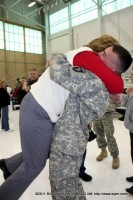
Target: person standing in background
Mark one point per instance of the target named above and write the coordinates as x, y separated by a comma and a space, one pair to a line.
128, 122
25, 85
104, 128
32, 78
4, 102
21, 91
129, 90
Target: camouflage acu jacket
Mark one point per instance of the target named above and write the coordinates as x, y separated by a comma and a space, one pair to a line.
87, 101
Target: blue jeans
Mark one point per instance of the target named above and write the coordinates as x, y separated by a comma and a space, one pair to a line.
5, 118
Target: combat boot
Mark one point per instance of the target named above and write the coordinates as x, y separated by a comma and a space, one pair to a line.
102, 155
116, 162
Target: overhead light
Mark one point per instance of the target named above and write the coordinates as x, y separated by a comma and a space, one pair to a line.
66, 1
32, 4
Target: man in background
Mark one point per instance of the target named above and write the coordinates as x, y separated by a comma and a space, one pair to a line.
32, 78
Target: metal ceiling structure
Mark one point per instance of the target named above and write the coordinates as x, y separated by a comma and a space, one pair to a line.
20, 8
39, 3
13, 6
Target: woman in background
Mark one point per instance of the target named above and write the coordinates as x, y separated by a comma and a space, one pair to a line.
4, 102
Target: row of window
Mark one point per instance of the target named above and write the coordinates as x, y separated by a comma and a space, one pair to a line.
83, 11
18, 38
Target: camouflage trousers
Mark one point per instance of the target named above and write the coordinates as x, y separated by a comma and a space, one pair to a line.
104, 128
64, 176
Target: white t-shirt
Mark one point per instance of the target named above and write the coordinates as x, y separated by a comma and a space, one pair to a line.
51, 96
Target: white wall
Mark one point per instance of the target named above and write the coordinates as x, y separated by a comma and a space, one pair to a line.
58, 44
118, 24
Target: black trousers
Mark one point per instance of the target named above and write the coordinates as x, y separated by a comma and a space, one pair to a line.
131, 142
82, 167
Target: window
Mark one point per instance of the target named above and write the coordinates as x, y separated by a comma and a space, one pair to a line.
33, 40
83, 11
59, 21
1, 36
110, 6
14, 38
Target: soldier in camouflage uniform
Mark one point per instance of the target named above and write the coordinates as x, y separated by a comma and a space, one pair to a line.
104, 127
86, 102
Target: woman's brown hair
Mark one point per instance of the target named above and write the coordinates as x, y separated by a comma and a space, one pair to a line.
101, 43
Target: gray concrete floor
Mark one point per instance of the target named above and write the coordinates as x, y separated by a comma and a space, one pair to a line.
107, 183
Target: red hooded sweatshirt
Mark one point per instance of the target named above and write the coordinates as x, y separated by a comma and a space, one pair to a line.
86, 58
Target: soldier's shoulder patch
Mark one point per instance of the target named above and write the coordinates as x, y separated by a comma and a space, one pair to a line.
78, 69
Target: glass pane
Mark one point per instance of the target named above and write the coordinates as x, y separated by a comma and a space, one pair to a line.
59, 21
39, 35
39, 42
27, 48
31, 32
21, 47
21, 39
17, 47
11, 35
83, 11
16, 29
7, 45
6, 27
27, 40
16, 36
7, 35
1, 35
1, 25
35, 33
11, 28
20, 29
112, 6
26, 32
32, 40
1, 44
11, 46
36, 41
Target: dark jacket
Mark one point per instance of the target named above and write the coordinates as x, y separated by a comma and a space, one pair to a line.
4, 98
128, 119
20, 94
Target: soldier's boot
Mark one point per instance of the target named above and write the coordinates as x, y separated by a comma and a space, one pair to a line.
102, 155
116, 162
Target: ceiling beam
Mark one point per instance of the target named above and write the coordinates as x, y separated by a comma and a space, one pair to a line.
34, 11
25, 17
2, 6
14, 4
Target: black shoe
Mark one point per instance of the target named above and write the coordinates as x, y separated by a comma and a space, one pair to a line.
130, 190
121, 118
129, 179
85, 177
3, 167
92, 136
